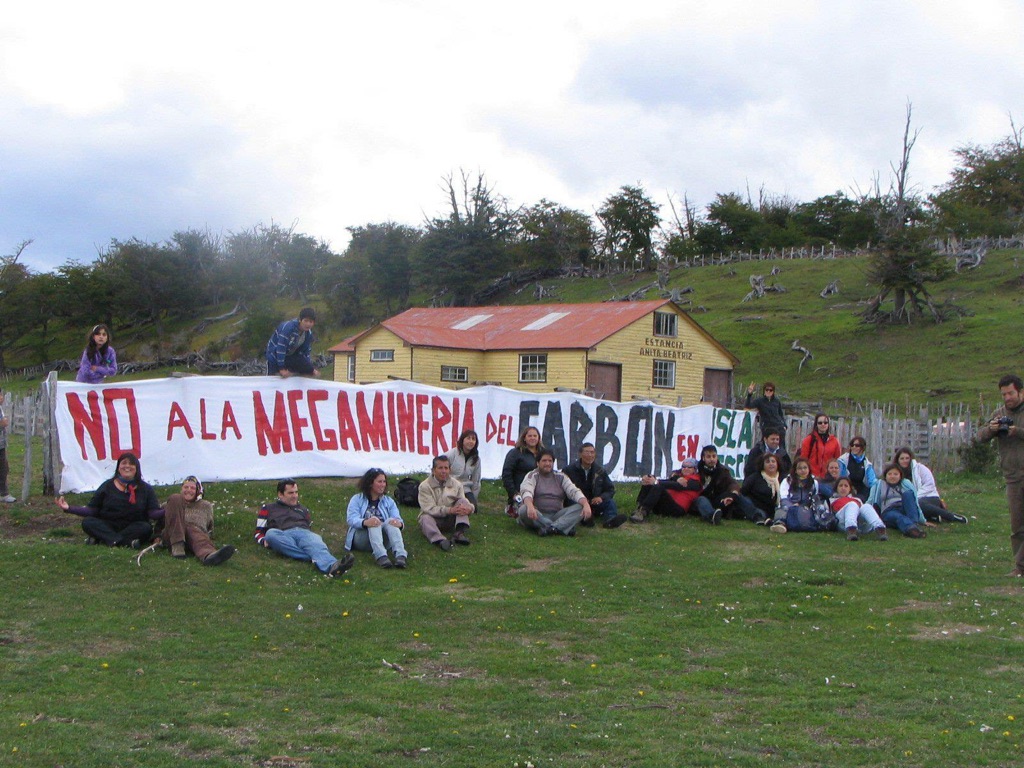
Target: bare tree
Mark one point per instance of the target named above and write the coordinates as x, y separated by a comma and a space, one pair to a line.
903, 263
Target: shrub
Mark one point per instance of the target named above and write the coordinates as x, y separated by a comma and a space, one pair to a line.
978, 456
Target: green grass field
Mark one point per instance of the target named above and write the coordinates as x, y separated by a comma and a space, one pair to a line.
664, 644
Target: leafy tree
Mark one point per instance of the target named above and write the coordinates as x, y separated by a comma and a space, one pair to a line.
384, 252
736, 221
837, 219
986, 194
15, 300
551, 234
629, 218
468, 246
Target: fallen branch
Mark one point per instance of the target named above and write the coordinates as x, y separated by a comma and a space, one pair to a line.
803, 350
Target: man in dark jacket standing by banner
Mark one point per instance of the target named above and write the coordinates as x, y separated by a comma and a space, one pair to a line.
592, 479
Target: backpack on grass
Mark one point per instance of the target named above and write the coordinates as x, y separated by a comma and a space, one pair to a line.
407, 492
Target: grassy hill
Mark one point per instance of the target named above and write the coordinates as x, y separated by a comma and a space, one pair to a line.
958, 360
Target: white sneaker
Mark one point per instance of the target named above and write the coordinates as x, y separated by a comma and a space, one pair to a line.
9, 499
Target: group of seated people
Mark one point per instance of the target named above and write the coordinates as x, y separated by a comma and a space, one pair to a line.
822, 489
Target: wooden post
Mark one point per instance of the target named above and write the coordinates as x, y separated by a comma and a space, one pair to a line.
26, 478
51, 447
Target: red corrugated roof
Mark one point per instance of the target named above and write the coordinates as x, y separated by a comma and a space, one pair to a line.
345, 345
533, 326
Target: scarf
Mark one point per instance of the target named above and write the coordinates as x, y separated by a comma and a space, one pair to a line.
773, 483
129, 487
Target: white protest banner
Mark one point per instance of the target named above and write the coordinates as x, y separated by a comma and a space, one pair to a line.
262, 428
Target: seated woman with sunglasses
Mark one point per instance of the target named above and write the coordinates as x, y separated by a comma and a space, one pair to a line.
855, 465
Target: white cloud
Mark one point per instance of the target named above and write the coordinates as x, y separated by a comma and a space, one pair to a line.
131, 119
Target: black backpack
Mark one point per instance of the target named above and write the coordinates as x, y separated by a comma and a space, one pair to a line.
407, 492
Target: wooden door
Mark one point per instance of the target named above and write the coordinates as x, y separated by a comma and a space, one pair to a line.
605, 380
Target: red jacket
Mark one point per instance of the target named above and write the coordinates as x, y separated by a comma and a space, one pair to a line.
818, 453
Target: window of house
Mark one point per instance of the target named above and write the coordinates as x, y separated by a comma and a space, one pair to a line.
454, 373
666, 324
665, 374
533, 368
351, 373
382, 355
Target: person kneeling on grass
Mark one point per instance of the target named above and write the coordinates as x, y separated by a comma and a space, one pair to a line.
119, 513
188, 525
853, 514
284, 526
544, 492
373, 516
444, 507
896, 499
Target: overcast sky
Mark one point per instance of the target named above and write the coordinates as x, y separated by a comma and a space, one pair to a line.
137, 119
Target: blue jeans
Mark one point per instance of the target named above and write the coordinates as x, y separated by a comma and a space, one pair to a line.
301, 544
372, 540
896, 516
606, 509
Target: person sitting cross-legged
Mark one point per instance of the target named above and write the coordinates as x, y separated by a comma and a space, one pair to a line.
544, 492
444, 507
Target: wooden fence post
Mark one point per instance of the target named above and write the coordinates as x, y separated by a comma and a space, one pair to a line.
51, 447
26, 476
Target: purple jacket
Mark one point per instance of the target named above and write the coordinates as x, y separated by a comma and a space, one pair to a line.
106, 367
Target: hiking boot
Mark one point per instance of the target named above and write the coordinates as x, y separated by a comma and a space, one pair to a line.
341, 565
588, 523
546, 530
614, 522
960, 519
1016, 573
716, 517
178, 550
384, 562
221, 555
778, 527
400, 561
851, 533
443, 544
91, 540
915, 533
640, 516
460, 537
881, 534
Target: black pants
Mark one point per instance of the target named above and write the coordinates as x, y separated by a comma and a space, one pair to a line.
114, 536
655, 498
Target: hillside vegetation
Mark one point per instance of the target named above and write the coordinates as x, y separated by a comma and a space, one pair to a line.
958, 360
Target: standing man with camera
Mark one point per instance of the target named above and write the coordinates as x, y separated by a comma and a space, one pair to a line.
1007, 426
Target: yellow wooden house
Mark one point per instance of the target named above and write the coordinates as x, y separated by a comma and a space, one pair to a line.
650, 350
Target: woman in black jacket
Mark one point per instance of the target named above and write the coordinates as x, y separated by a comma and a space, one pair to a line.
520, 461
